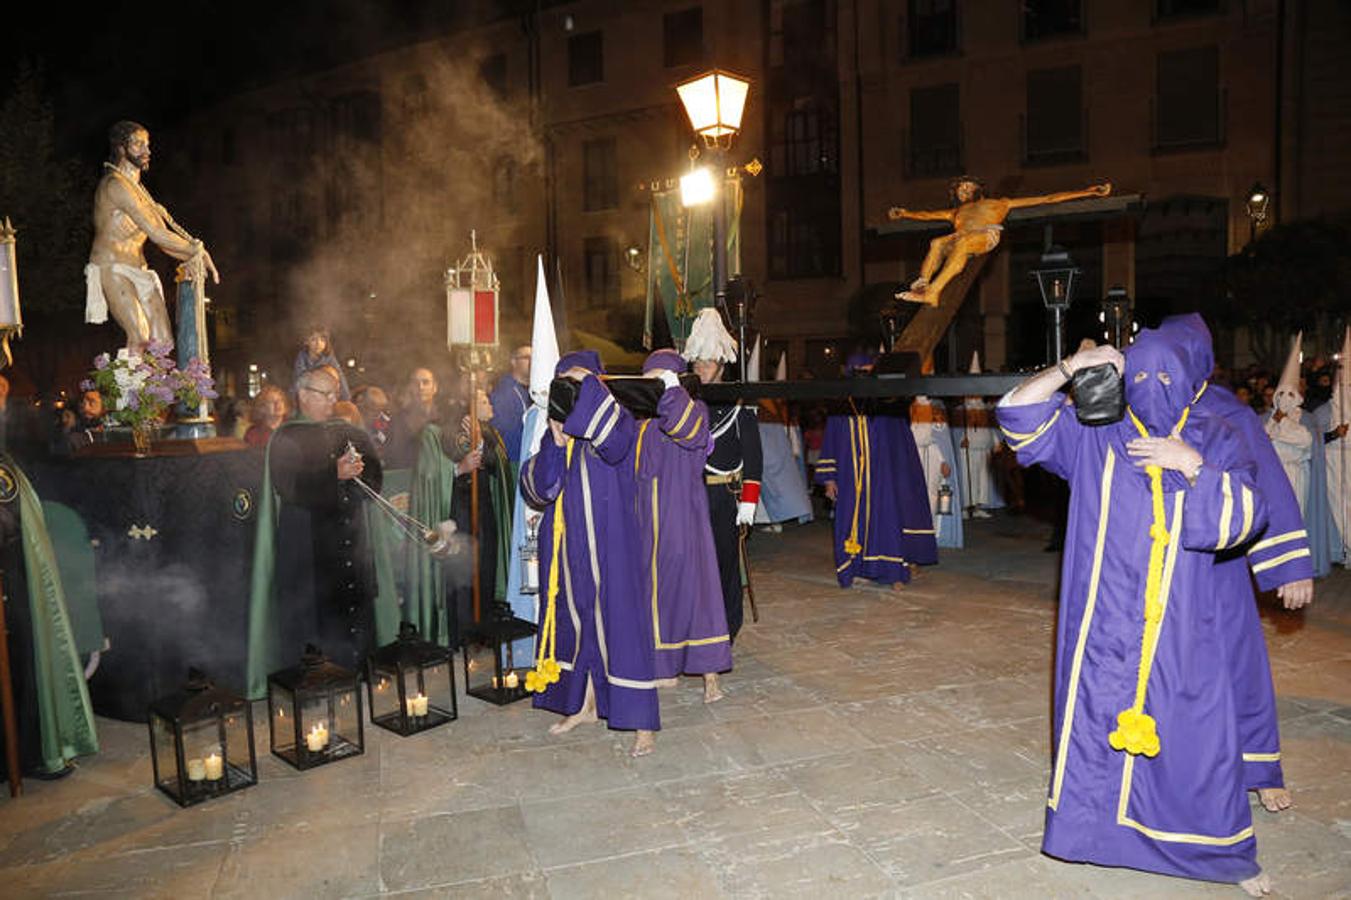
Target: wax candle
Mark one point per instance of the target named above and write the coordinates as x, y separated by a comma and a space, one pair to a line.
512, 680
420, 705
317, 739
215, 767
196, 769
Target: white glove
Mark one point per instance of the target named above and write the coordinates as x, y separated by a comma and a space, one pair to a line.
668, 378
745, 513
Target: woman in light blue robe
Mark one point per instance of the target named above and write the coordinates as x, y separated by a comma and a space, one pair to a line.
1325, 543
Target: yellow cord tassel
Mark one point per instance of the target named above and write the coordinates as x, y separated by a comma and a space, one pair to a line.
546, 670
858, 452
1137, 733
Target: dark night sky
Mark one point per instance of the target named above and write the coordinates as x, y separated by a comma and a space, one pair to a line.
154, 60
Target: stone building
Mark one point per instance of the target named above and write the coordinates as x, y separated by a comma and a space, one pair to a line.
343, 195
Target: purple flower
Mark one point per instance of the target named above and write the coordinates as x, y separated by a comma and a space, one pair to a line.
159, 348
86, 385
101, 361
133, 401
207, 393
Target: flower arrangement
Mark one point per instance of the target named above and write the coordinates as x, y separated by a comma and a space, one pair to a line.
138, 389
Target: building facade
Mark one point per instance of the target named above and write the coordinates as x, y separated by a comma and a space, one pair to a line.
342, 196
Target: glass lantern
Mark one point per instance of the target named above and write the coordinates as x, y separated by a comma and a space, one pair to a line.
411, 684
491, 671
201, 742
314, 712
530, 555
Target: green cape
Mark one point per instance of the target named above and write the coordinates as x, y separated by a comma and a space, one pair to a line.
65, 715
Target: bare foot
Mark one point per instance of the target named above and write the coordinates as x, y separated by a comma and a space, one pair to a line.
712, 692
914, 572
919, 284
643, 743
1257, 886
1275, 799
666, 682
914, 296
582, 716
898, 586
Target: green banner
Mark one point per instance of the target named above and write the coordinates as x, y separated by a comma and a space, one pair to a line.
680, 258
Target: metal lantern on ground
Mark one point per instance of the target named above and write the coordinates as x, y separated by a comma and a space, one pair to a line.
1056, 281
201, 742
314, 712
491, 671
411, 684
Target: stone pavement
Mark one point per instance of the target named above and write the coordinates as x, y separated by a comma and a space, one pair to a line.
871, 744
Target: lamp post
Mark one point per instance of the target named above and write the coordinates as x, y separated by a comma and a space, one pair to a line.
1115, 315
1258, 203
714, 103
1055, 279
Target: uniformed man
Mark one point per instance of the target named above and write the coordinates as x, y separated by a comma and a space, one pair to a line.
732, 472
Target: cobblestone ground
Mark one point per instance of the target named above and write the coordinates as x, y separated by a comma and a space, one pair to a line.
871, 744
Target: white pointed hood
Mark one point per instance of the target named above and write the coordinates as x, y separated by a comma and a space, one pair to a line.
781, 371
543, 341
753, 364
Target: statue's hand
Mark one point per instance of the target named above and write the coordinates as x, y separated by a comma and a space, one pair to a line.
210, 266
1101, 190
896, 212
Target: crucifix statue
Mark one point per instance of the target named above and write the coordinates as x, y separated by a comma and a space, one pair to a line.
978, 222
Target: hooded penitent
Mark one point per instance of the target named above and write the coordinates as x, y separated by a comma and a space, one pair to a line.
1286, 552
1285, 426
1148, 697
681, 583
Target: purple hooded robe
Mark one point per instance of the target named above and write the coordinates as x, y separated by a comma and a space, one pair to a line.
680, 565
604, 632
1278, 555
1148, 764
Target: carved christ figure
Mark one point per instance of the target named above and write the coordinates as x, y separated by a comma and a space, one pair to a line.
117, 279
978, 222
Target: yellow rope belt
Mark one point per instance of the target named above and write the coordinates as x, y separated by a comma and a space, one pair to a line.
1137, 732
858, 452
546, 668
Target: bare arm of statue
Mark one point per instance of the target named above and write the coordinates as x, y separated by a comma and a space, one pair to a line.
922, 215
149, 220
1097, 190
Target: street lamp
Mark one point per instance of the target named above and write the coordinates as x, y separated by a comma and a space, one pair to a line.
715, 102
1055, 280
1258, 202
1115, 315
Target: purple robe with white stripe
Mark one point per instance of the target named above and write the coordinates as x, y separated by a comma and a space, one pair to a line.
680, 565
1278, 555
604, 629
1184, 811
881, 499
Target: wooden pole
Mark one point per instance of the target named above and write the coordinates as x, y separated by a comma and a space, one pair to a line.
475, 437
7, 701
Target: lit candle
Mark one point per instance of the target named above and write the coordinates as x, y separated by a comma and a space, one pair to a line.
196, 769
317, 739
215, 767
512, 680
494, 681
420, 705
